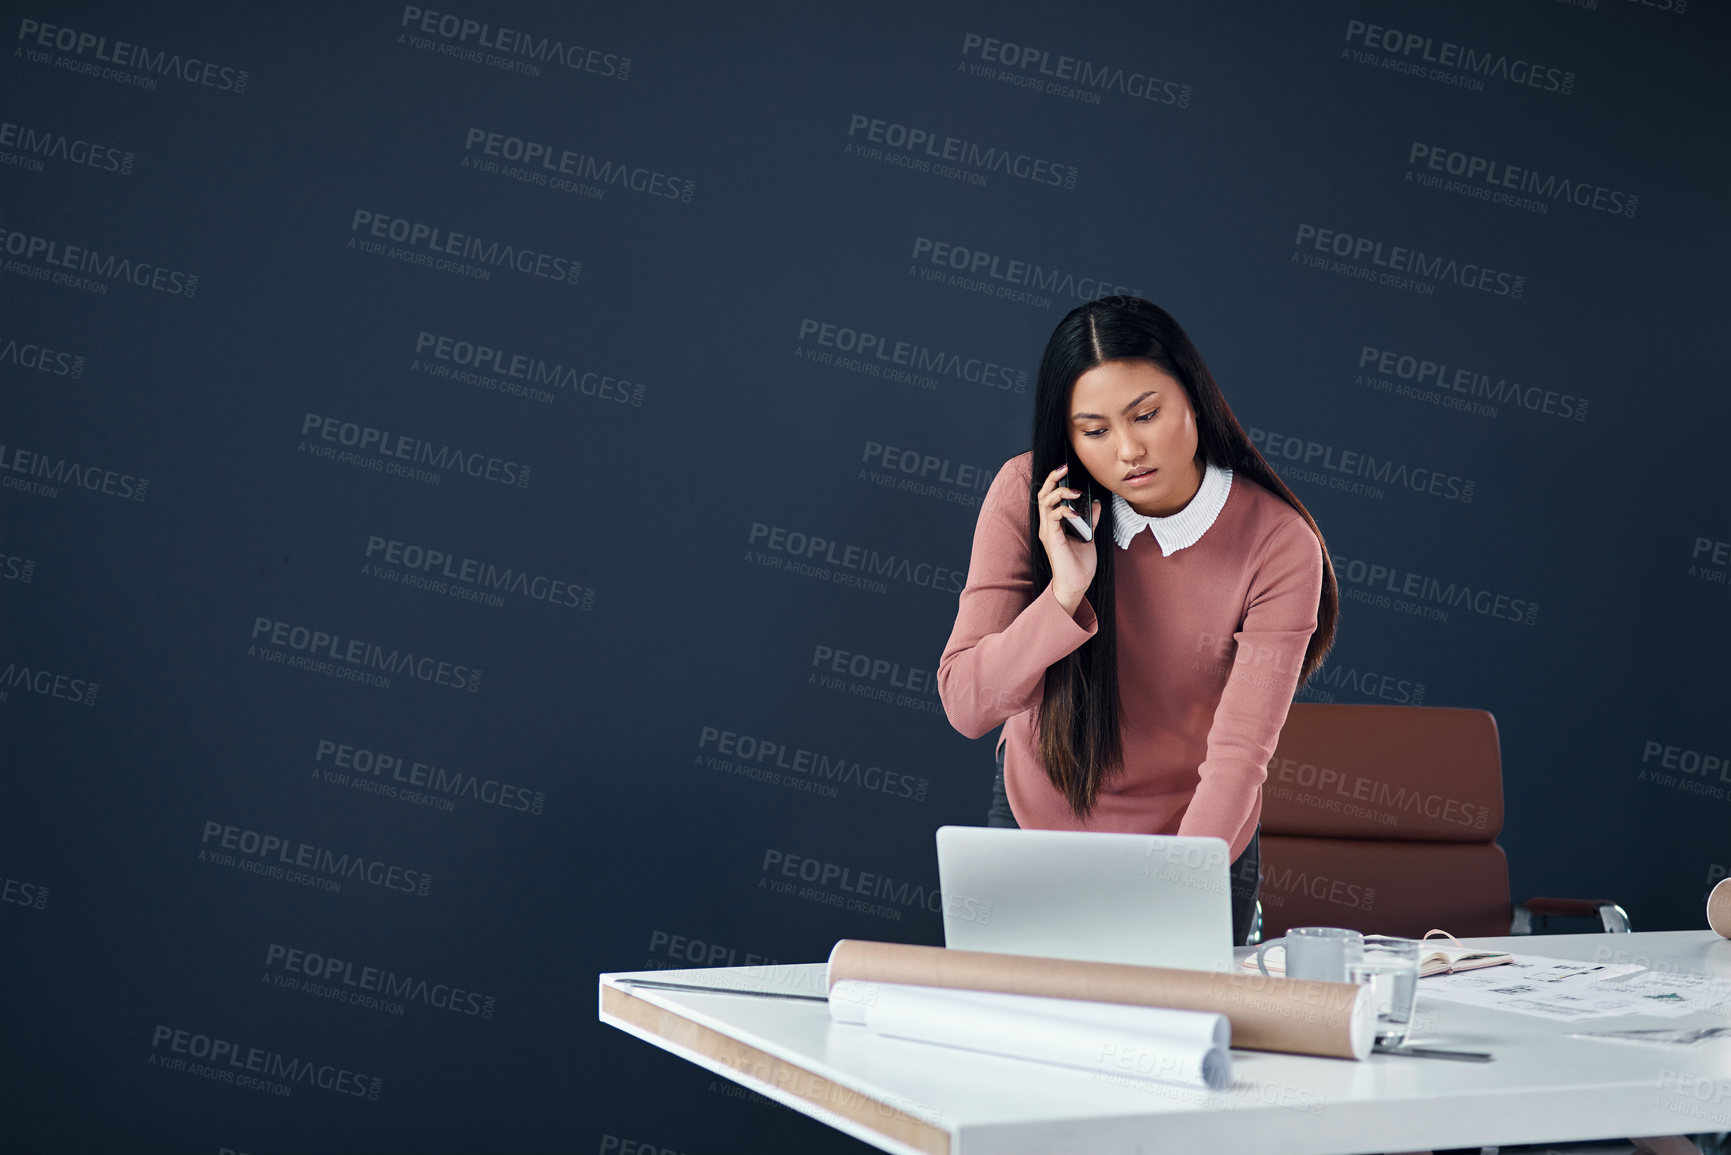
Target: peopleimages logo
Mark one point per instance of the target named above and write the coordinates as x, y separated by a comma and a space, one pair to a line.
376, 988
770, 754
1397, 265
1438, 382
686, 950
92, 50
1693, 1095
1391, 800
397, 776
1287, 883
79, 267
35, 145
1425, 57
1002, 276
913, 679
1351, 463
46, 683
925, 474
463, 38
353, 658
1391, 587
40, 358
925, 149
812, 549
437, 248
393, 453
1693, 771
462, 360
878, 355
875, 679
46, 473
1510, 184
834, 884
1060, 75
566, 170
1334, 677
1709, 560
226, 1061
442, 572
27, 894
269, 854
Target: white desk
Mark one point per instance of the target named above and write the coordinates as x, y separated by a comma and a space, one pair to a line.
905, 1097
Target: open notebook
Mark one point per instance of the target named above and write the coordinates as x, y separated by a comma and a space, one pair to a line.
1441, 960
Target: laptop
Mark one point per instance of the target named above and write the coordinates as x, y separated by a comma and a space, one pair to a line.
1147, 899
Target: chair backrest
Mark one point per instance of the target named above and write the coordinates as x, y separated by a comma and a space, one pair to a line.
1384, 819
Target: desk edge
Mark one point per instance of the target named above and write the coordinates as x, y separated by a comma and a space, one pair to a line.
747, 1065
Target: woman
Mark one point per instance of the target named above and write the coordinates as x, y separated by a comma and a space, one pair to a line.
1141, 677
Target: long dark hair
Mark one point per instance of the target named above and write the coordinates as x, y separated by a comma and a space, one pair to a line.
1077, 726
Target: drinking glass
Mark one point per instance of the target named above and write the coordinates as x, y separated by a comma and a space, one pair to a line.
1390, 966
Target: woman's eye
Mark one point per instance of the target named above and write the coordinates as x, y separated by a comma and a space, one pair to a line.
1148, 416
1092, 432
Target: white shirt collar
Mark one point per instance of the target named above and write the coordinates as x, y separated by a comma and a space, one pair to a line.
1184, 528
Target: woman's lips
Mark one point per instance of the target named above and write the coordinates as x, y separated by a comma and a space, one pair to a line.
1142, 478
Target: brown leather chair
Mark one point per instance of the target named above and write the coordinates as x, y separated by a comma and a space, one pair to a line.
1384, 819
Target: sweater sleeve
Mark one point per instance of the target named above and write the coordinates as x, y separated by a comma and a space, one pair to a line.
1279, 618
1006, 632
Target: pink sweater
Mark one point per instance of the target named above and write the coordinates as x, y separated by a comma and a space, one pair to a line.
1210, 642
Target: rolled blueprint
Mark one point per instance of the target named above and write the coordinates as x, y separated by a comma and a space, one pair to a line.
1188, 1047
1299, 1016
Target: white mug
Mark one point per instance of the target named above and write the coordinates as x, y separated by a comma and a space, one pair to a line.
1317, 952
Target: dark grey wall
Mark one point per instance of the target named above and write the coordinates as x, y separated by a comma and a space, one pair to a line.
483, 507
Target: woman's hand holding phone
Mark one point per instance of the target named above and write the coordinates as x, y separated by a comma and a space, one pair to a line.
1072, 559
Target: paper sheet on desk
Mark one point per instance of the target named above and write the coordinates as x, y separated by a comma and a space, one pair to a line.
1567, 990
1678, 1037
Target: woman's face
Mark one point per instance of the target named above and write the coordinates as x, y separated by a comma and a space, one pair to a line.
1132, 427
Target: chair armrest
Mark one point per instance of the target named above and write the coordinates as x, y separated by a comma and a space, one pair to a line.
1613, 917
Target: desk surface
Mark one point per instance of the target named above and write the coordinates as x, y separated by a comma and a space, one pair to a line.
901, 1096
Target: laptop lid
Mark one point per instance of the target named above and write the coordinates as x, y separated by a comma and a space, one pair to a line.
1147, 899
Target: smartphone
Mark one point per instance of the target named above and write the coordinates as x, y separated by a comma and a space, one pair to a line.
1076, 520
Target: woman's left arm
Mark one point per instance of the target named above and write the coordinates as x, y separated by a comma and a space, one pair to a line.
1279, 618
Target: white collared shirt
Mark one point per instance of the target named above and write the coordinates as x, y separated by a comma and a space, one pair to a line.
1184, 528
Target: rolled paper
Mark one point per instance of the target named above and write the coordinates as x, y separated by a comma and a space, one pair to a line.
1719, 909
1190, 1026
1186, 1047
1297, 1016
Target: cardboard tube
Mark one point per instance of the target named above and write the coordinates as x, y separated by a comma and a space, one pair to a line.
1719, 909
1299, 1016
